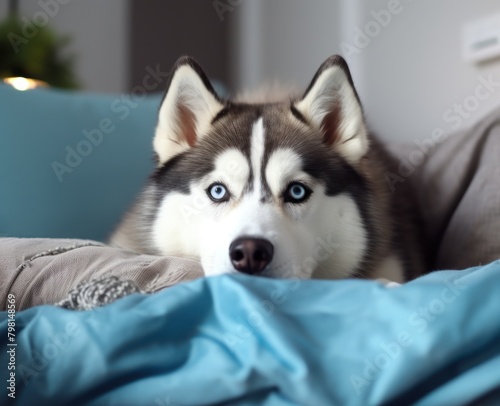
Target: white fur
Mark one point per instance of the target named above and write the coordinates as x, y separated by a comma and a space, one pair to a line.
332, 87
188, 91
181, 218
283, 166
338, 222
257, 144
177, 225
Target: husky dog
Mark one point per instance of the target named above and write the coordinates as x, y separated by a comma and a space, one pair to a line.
293, 188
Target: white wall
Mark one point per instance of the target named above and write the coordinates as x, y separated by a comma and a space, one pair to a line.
413, 71
408, 75
285, 41
99, 32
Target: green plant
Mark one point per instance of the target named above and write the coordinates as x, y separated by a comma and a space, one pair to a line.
38, 57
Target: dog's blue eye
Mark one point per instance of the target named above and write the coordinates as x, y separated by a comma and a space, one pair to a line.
218, 192
297, 193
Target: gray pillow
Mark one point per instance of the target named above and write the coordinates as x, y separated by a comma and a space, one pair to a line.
458, 186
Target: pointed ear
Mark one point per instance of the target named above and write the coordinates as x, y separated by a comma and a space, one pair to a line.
186, 111
331, 104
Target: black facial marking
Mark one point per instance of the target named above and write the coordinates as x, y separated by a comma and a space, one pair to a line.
337, 176
220, 115
177, 173
231, 128
265, 192
298, 115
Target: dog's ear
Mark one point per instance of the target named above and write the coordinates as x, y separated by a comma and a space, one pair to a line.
331, 104
186, 111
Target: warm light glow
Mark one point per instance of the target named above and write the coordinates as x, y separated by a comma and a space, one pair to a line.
22, 84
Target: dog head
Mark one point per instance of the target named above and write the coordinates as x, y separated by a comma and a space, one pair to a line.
269, 189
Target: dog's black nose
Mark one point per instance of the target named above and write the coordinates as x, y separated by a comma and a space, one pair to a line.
250, 255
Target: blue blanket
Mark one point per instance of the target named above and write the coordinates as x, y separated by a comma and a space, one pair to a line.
253, 341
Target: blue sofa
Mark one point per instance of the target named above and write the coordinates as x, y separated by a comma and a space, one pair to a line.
71, 162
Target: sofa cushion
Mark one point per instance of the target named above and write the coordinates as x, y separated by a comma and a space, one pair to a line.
71, 162
41, 271
458, 187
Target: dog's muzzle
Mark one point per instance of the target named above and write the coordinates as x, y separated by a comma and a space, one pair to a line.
250, 255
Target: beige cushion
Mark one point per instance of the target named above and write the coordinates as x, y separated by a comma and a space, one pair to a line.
58, 265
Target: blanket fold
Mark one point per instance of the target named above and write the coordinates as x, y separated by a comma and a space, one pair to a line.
242, 340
